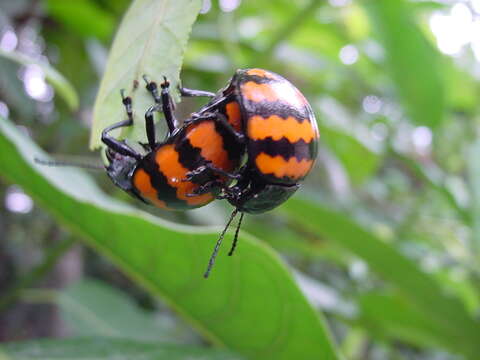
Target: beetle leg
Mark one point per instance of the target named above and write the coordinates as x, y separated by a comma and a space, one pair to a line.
219, 118
210, 186
201, 174
117, 145
152, 89
191, 92
221, 172
166, 102
209, 108
168, 106
235, 239
150, 126
223, 120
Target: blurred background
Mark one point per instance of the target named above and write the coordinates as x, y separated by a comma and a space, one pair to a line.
394, 85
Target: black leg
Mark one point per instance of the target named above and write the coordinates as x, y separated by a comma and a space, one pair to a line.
223, 120
208, 109
150, 126
235, 239
202, 174
191, 93
152, 89
117, 145
213, 185
218, 171
220, 118
168, 106
217, 245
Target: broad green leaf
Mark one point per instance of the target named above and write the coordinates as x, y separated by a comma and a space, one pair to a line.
413, 63
82, 16
458, 331
390, 316
359, 161
150, 41
61, 85
250, 303
93, 308
106, 349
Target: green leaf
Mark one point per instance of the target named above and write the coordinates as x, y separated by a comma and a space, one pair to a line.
93, 308
250, 303
459, 332
359, 161
105, 349
82, 16
150, 41
413, 63
61, 85
393, 317
474, 182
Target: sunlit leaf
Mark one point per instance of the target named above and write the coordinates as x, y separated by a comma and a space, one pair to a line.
150, 41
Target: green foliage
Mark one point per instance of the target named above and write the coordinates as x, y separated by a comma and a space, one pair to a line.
150, 41
413, 63
62, 85
81, 23
92, 308
105, 349
454, 326
169, 259
386, 247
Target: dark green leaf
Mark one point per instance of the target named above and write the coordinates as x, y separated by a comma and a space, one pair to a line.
458, 330
413, 63
393, 317
359, 161
82, 16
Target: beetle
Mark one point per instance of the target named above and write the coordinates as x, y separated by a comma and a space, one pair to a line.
258, 132
159, 176
281, 142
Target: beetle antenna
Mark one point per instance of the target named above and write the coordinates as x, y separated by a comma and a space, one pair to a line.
68, 163
217, 245
235, 239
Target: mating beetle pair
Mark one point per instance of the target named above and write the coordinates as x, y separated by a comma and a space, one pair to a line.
258, 132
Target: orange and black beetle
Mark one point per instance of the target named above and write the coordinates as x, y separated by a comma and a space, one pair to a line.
259, 117
160, 176
280, 138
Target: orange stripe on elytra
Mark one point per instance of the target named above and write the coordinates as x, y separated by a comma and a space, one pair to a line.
262, 73
274, 126
281, 168
234, 116
274, 91
210, 142
168, 161
143, 183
